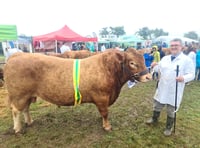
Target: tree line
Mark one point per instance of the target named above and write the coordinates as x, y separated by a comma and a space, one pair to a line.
145, 33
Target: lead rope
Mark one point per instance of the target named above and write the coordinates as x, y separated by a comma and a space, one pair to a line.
76, 80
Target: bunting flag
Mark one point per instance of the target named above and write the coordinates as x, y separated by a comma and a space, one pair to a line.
76, 80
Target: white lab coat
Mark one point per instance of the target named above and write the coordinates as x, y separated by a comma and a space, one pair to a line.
165, 93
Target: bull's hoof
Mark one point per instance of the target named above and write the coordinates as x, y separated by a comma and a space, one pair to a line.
108, 128
17, 129
29, 124
21, 132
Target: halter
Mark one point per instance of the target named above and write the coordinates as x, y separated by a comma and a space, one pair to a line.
133, 76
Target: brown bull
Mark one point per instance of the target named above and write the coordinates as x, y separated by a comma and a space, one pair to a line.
74, 54
50, 78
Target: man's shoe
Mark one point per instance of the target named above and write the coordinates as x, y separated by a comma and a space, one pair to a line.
154, 119
168, 132
169, 124
151, 121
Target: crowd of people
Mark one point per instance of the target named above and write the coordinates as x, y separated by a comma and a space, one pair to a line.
155, 54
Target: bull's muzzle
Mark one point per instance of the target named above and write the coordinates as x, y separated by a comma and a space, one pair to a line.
142, 76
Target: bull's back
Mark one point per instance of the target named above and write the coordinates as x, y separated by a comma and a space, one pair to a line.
36, 74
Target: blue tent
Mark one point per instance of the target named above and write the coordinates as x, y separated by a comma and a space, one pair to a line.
24, 40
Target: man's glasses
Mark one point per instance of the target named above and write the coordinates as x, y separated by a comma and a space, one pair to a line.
175, 45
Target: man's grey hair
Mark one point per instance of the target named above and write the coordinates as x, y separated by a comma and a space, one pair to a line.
177, 40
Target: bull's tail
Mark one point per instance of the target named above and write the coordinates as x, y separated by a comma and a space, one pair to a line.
1, 77
1, 73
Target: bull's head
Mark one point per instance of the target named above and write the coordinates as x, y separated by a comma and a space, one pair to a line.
134, 66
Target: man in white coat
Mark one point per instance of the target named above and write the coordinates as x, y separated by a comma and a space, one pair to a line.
165, 92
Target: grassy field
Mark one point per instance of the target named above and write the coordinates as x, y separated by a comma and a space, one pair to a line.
81, 127
2, 58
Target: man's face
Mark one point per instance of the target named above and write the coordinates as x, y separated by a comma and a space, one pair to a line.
175, 47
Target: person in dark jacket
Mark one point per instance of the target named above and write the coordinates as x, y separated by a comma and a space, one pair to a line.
162, 54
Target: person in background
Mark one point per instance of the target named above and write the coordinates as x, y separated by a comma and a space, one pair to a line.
103, 48
156, 54
58, 47
25, 49
165, 92
164, 45
64, 47
162, 54
118, 47
148, 59
198, 64
83, 47
10, 51
186, 44
192, 55
156, 59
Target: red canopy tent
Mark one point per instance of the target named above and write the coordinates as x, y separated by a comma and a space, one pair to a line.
64, 34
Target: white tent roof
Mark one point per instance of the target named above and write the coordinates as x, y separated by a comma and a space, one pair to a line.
169, 38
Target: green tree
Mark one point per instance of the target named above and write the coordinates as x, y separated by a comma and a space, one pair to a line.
158, 32
145, 33
192, 35
104, 31
118, 31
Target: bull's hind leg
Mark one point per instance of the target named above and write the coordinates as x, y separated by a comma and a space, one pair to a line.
16, 119
26, 113
18, 106
103, 109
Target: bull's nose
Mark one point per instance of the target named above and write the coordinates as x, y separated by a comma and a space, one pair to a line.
145, 78
149, 76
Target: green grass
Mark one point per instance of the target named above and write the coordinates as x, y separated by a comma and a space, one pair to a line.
81, 126
2, 58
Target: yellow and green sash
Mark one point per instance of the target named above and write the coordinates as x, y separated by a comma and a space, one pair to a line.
76, 79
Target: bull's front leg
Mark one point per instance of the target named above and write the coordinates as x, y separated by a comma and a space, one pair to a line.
103, 109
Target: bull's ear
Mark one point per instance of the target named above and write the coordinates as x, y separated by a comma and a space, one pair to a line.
130, 49
132, 64
141, 51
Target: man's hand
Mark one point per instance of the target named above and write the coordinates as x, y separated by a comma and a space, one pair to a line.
153, 64
180, 79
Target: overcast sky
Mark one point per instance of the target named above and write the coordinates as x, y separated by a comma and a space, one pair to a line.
36, 17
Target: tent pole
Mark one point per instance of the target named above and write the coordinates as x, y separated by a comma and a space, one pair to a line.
56, 46
17, 44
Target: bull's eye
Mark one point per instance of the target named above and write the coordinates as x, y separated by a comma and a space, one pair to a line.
132, 64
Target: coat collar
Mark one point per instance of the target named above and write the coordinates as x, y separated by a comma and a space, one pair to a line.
177, 56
